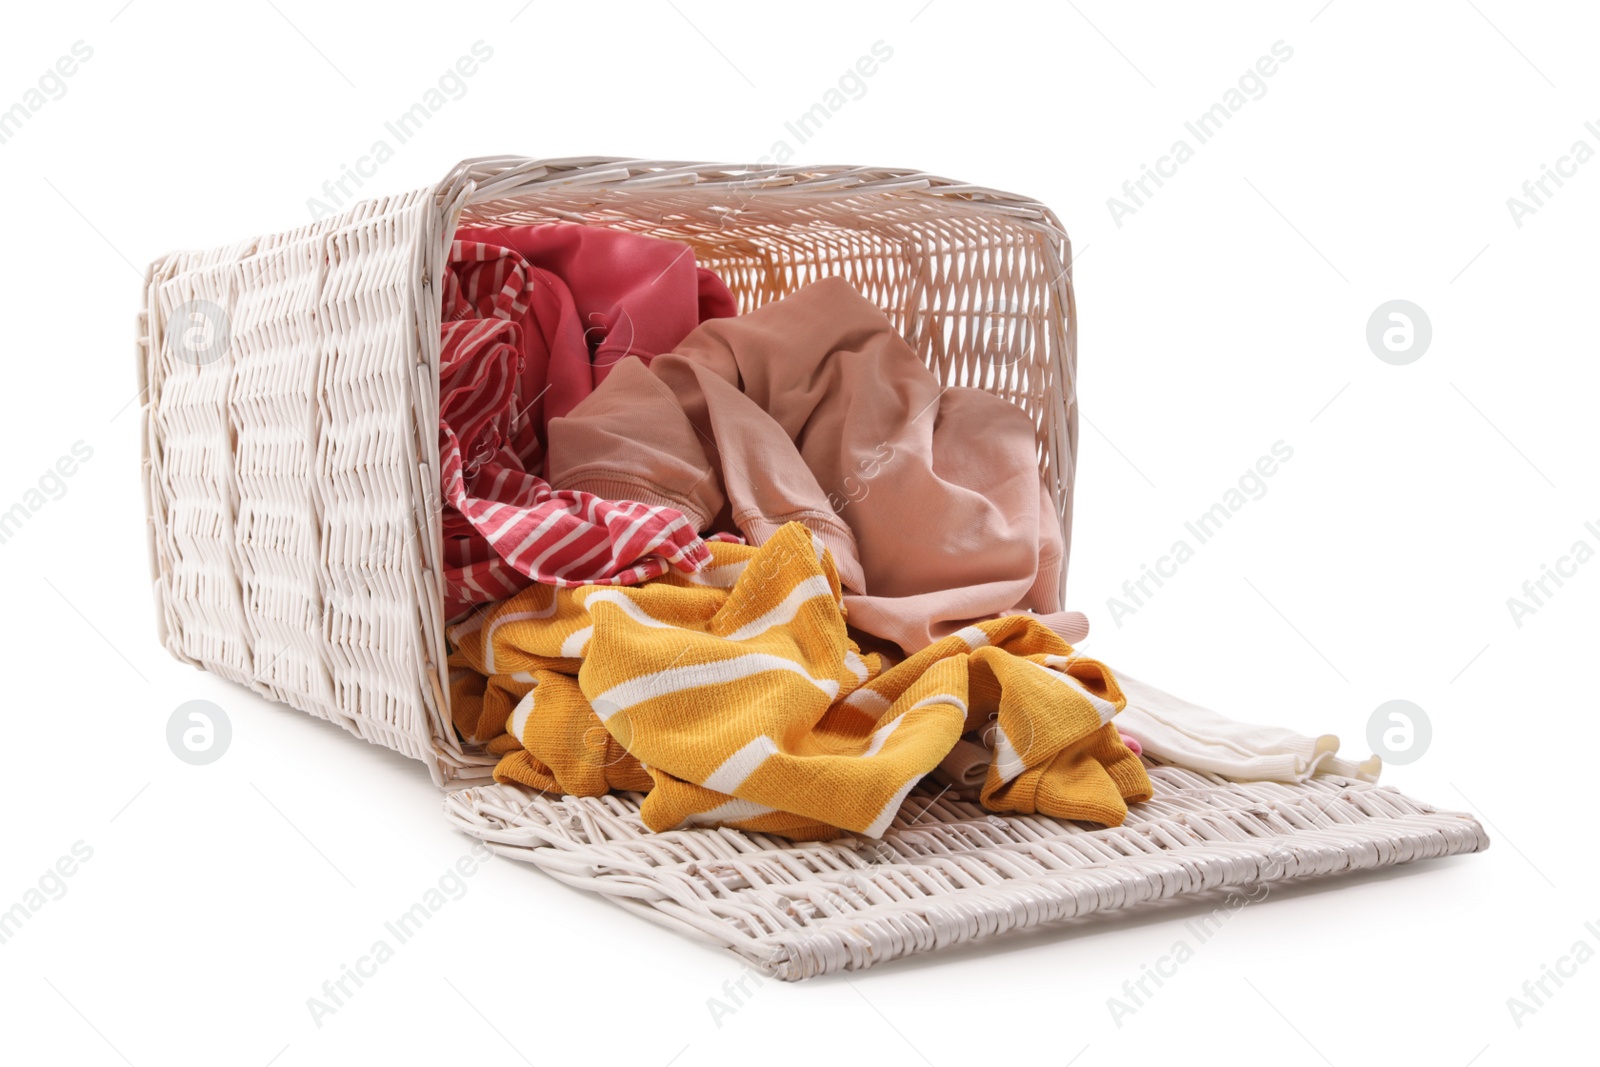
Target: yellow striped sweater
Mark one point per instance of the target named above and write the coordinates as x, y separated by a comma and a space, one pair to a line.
735, 696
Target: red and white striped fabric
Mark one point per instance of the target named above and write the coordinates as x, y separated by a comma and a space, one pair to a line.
504, 525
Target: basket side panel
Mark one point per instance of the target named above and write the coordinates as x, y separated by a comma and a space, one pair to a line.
274, 412
192, 476
365, 472
288, 529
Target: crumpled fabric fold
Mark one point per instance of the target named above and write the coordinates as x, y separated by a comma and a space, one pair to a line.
534, 318
735, 697
1174, 730
814, 409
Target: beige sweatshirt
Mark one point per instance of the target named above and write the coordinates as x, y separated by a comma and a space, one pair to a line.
813, 409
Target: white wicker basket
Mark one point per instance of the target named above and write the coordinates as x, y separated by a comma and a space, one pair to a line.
291, 460
292, 469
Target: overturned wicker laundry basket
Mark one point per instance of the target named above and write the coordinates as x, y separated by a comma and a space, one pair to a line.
292, 463
291, 467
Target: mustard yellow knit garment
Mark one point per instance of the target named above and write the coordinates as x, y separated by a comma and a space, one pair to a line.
735, 697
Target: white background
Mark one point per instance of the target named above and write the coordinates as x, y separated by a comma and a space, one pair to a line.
1227, 313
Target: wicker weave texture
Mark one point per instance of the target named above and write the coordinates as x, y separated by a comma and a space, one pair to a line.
947, 872
292, 478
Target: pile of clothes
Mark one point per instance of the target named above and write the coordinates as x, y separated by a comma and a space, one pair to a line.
765, 568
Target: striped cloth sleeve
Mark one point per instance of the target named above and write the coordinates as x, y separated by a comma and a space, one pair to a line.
505, 527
